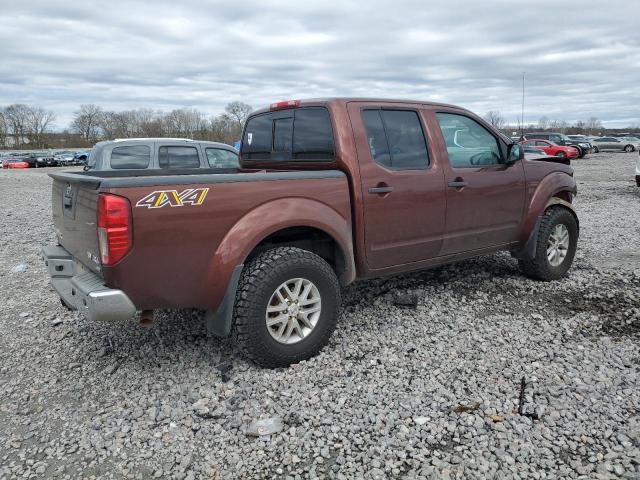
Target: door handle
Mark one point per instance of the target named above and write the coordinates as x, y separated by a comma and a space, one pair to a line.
457, 183
381, 189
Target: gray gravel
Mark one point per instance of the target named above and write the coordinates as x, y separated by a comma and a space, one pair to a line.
433, 391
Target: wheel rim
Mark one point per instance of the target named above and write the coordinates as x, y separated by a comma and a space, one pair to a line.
293, 310
558, 245
628, 148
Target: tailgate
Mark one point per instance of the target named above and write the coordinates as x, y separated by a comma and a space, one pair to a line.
74, 217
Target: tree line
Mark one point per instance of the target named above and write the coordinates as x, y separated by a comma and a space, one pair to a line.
591, 126
25, 126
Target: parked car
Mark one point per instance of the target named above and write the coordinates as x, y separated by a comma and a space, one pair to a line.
551, 148
638, 170
40, 159
631, 138
14, 162
561, 139
64, 158
616, 144
330, 191
81, 158
161, 153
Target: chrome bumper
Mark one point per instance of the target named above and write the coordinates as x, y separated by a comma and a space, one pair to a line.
84, 290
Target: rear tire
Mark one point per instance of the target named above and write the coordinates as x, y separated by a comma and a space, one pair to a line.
545, 265
629, 148
260, 301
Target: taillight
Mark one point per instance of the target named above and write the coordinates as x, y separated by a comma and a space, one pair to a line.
114, 228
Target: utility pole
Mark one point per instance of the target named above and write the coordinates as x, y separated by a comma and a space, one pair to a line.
522, 112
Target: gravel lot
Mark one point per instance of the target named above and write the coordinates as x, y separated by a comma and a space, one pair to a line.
430, 392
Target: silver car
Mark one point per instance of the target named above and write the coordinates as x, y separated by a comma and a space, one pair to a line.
616, 144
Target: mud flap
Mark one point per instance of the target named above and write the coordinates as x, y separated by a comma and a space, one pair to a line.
528, 251
219, 322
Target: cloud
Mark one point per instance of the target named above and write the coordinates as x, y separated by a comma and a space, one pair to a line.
580, 59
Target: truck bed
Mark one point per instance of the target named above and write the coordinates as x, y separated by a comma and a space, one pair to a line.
178, 255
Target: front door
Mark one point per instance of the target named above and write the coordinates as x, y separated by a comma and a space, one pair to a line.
485, 197
402, 190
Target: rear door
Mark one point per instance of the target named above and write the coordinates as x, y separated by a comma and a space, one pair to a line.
485, 197
402, 187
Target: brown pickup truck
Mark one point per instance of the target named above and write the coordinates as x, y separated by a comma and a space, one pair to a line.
328, 191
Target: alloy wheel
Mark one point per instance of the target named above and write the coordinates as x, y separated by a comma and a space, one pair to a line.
293, 310
558, 245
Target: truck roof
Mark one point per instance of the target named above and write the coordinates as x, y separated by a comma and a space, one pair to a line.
163, 139
329, 100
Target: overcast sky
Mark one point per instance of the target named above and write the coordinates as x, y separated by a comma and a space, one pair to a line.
581, 58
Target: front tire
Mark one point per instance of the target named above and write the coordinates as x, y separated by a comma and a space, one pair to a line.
596, 150
556, 246
286, 307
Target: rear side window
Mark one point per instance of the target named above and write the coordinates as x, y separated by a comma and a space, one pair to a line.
178, 157
131, 157
396, 139
221, 158
302, 134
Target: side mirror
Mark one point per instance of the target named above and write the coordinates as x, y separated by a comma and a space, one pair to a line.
515, 152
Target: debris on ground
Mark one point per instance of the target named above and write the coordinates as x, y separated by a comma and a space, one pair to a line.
265, 427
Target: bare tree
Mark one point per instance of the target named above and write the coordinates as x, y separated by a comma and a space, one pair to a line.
17, 116
4, 130
543, 123
86, 122
38, 122
579, 126
495, 118
224, 129
238, 112
184, 122
559, 125
593, 125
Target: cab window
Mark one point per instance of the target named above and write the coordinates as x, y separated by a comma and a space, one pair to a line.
221, 158
129, 157
468, 143
178, 157
395, 138
301, 134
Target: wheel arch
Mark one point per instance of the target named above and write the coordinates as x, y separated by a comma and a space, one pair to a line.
292, 221
559, 200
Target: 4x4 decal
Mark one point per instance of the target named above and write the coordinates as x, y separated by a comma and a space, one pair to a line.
161, 198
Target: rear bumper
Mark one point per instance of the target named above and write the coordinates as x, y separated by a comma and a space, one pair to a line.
84, 290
